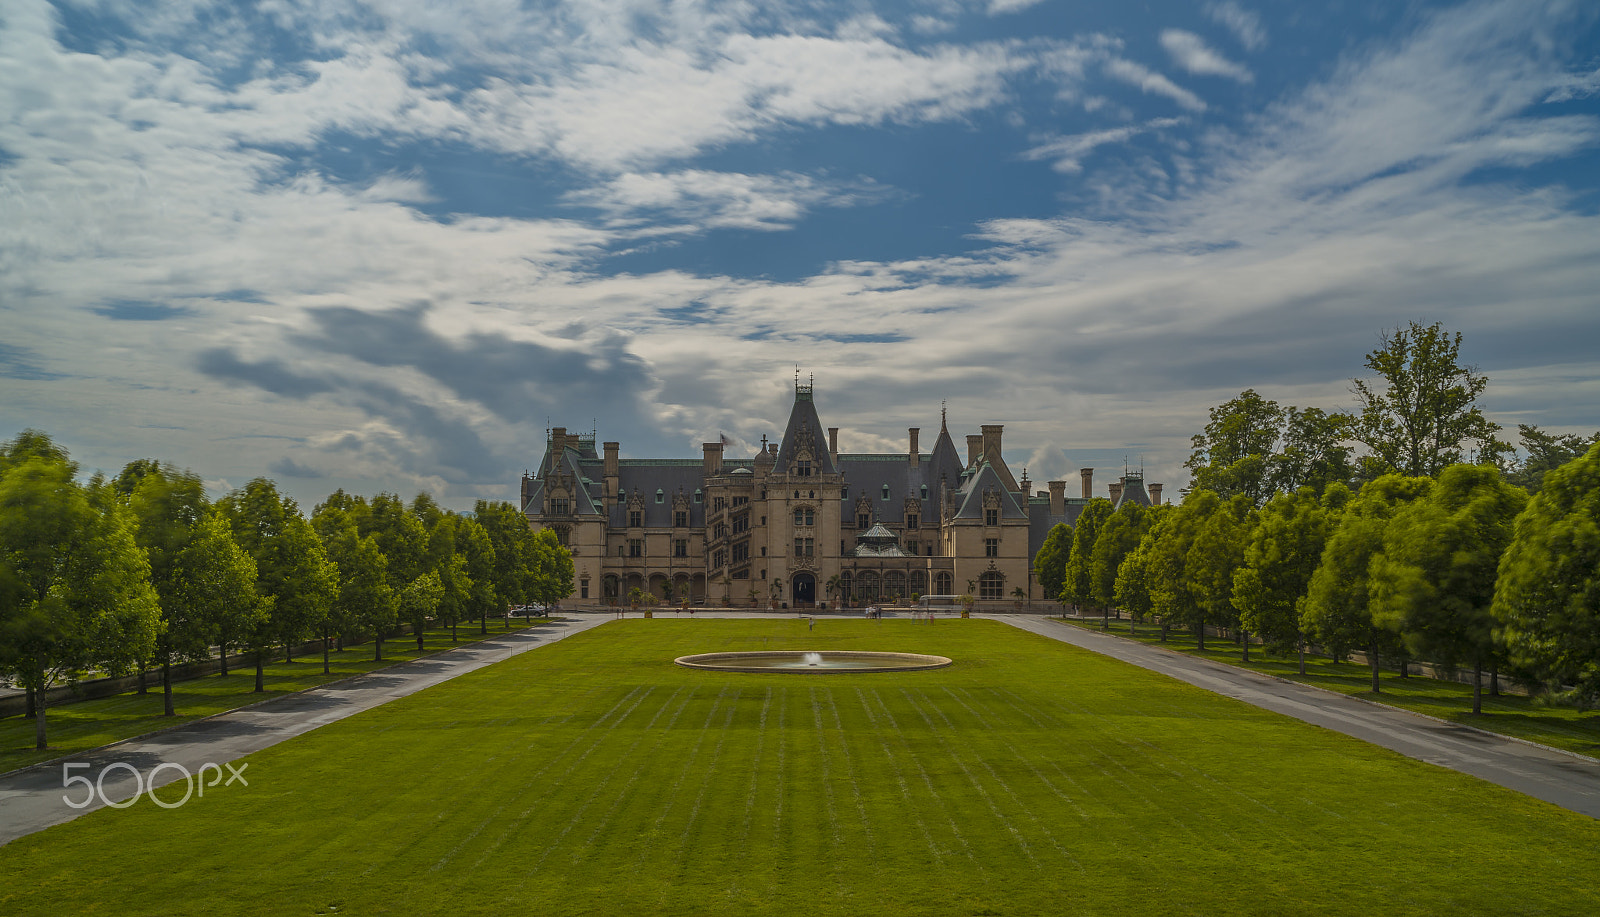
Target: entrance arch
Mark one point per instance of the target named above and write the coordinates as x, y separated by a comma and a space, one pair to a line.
805, 588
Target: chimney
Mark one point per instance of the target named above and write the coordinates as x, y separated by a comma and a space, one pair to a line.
1155, 494
974, 448
558, 438
1088, 482
1058, 498
833, 445
1116, 492
916, 456
710, 462
991, 443
611, 470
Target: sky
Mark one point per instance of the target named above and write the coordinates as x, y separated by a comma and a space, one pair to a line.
386, 245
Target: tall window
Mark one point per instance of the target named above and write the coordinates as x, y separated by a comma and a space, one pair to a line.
560, 506
635, 518
561, 535
991, 547
635, 547
804, 547
991, 586
680, 519
805, 516
803, 468
913, 548
680, 547
912, 520
991, 517
863, 520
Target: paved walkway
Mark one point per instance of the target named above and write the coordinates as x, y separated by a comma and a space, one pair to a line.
1569, 781
31, 799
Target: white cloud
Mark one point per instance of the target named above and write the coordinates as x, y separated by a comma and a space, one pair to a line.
1148, 81
1245, 24
1068, 151
1576, 86
702, 199
1190, 52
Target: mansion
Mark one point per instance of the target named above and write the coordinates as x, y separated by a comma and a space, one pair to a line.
800, 523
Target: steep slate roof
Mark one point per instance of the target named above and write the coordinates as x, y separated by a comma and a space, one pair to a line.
971, 495
649, 477
1133, 491
804, 425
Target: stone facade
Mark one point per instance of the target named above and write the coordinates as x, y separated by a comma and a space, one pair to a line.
798, 523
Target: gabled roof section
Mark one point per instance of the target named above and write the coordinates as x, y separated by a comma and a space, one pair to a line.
986, 479
804, 434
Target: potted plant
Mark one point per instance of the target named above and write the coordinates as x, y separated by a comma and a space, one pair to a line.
967, 601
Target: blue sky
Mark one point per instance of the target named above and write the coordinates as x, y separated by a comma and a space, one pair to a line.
381, 245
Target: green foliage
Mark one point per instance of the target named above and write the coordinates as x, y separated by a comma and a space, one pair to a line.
1543, 453
528, 567
1119, 536
1337, 612
1547, 598
1172, 592
1255, 448
293, 573
75, 589
1284, 550
1075, 583
1426, 411
1434, 581
1133, 579
1050, 564
1216, 555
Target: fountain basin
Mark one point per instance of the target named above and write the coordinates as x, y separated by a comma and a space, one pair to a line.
813, 661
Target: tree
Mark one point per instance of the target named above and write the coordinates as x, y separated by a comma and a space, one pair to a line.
1434, 581
201, 577
1119, 536
1338, 611
1547, 596
1234, 454
1544, 453
1284, 551
1075, 585
1256, 448
1050, 564
292, 570
369, 599
478, 562
1132, 587
552, 567
1215, 555
419, 601
74, 587
1173, 597
1426, 411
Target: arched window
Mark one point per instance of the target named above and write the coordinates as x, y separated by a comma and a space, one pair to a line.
894, 583
919, 582
943, 583
867, 586
991, 585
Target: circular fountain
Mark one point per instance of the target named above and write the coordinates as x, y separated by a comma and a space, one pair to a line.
811, 661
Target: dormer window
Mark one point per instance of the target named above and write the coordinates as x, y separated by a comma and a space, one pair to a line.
661, 495
635, 518
560, 506
924, 491
886, 491
803, 468
991, 517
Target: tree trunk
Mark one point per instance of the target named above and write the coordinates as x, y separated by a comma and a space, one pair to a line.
1244, 641
1302, 657
143, 688
261, 670
286, 656
1494, 680
419, 640
326, 639
1163, 630
1105, 618
1133, 625
1477, 689
1372, 660
1200, 636
1405, 666
166, 685
377, 644
483, 621
29, 712
453, 637
38, 721
222, 657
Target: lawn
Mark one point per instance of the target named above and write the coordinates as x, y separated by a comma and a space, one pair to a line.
1522, 717
594, 777
81, 725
